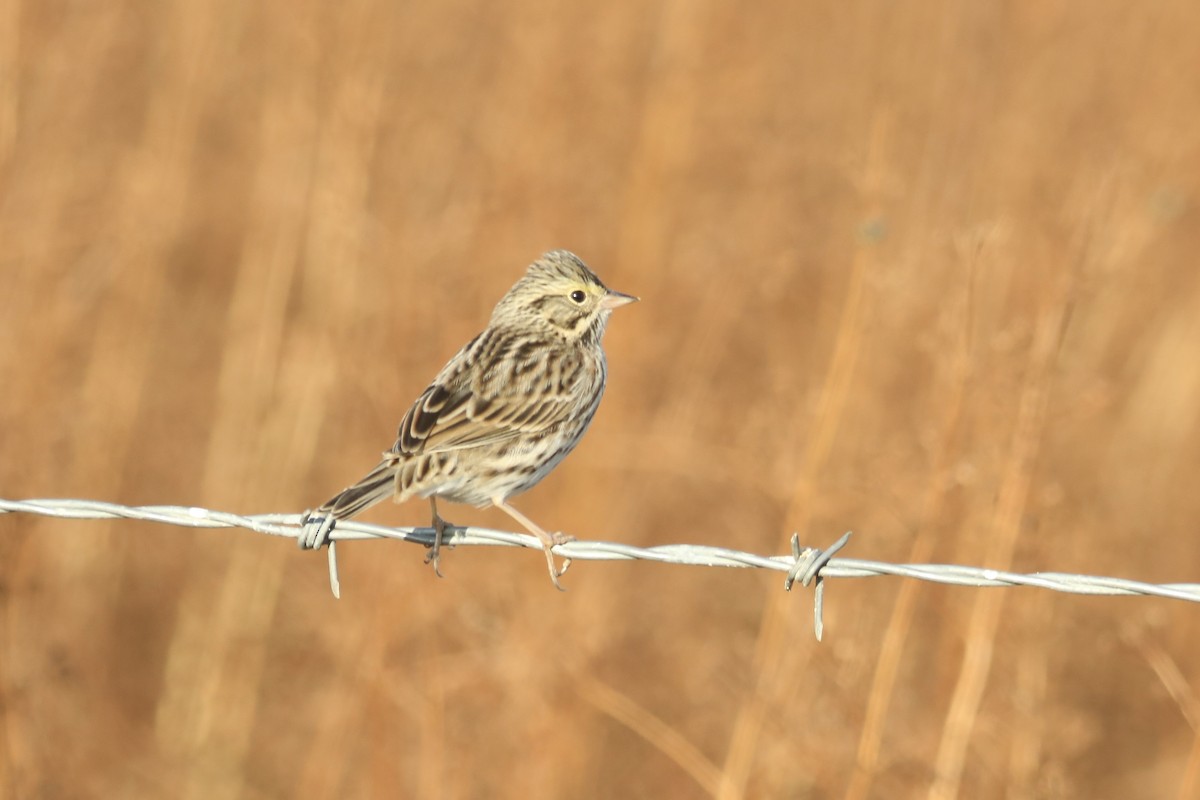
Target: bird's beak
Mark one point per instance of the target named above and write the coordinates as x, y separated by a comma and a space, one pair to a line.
616, 299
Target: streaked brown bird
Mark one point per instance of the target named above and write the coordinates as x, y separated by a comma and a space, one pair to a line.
503, 412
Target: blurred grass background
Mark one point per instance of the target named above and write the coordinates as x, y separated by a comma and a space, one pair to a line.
926, 271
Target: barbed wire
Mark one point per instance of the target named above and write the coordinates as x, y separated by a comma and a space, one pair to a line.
804, 564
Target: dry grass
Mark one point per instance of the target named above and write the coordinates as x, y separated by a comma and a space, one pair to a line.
923, 270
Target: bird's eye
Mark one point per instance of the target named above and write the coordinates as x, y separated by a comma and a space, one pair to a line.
578, 296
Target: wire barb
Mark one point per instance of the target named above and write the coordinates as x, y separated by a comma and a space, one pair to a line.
803, 564
809, 563
335, 585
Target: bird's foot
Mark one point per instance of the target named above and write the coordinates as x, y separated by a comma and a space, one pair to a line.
434, 555
549, 541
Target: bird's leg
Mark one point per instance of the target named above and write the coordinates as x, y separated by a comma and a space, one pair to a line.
548, 540
439, 531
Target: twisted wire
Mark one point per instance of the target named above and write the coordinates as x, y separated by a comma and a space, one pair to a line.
804, 564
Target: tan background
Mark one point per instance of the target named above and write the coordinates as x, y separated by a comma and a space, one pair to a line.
922, 270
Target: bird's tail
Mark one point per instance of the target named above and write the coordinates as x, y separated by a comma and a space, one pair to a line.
375, 486
378, 484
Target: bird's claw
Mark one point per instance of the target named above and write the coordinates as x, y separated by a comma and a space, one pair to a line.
556, 539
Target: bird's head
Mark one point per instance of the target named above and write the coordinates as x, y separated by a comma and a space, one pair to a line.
559, 295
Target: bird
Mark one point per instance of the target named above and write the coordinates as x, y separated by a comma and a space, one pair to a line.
503, 412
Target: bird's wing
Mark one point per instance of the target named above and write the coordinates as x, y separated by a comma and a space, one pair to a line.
495, 389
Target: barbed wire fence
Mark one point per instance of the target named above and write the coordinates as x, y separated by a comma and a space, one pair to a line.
804, 564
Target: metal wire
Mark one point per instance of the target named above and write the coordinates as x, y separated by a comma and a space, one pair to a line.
803, 564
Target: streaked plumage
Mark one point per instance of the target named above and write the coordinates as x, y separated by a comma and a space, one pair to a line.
504, 411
